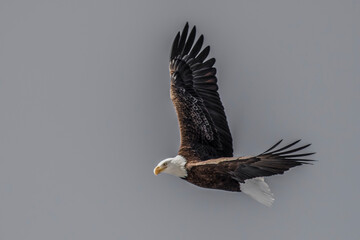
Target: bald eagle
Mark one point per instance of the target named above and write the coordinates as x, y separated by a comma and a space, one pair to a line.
205, 157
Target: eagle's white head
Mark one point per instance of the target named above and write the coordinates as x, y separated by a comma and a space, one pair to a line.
174, 166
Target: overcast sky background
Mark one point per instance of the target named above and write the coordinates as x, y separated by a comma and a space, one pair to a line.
86, 115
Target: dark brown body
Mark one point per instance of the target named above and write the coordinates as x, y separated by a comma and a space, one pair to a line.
211, 176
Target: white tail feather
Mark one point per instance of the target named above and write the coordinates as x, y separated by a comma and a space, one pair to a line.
258, 189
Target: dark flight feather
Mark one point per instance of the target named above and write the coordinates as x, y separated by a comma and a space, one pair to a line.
202, 56
183, 36
197, 47
189, 42
175, 46
272, 147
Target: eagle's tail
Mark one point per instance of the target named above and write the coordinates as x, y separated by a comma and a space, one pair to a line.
258, 189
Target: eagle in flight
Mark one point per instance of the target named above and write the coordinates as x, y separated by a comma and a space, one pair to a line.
205, 157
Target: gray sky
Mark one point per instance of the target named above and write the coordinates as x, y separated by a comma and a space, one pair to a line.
86, 115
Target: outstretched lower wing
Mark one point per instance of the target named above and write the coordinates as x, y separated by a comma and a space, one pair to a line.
271, 162
204, 129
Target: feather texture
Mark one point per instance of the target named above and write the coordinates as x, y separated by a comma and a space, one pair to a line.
203, 126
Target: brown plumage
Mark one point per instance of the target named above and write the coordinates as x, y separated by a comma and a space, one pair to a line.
206, 142
204, 130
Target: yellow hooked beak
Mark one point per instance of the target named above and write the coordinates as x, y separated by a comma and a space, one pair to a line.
158, 170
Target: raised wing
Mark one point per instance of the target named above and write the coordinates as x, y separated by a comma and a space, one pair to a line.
271, 162
204, 129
